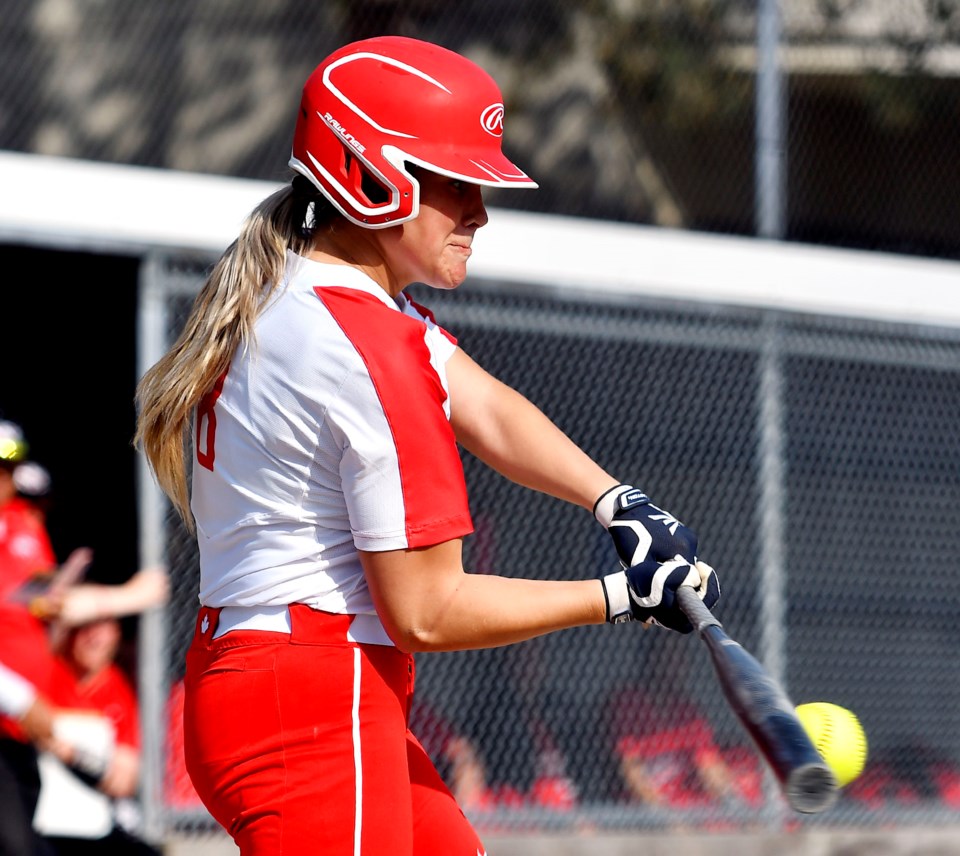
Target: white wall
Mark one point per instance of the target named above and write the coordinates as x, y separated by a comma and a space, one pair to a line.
101, 207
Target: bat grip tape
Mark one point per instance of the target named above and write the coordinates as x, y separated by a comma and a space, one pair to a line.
696, 610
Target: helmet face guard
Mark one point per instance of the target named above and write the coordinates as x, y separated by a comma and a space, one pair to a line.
375, 106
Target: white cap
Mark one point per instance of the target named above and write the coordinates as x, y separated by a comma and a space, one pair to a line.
31, 480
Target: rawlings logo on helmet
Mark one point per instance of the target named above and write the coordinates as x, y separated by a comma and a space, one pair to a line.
348, 138
491, 120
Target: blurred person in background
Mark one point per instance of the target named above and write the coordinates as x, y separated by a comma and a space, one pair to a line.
39, 599
668, 755
62, 596
26, 716
325, 408
27, 722
89, 680
912, 772
33, 484
460, 761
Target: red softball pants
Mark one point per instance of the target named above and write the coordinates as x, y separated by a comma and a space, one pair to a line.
298, 744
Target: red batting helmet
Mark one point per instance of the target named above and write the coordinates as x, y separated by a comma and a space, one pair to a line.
374, 106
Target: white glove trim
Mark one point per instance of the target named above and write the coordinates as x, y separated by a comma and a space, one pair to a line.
616, 592
659, 579
605, 506
644, 540
704, 572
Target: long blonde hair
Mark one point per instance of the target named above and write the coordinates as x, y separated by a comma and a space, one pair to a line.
221, 320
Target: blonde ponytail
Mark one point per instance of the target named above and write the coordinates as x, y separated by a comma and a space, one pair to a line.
221, 321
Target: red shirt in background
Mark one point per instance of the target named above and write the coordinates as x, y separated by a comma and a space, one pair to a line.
25, 553
109, 693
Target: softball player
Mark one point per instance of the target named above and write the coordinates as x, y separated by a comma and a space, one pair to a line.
328, 497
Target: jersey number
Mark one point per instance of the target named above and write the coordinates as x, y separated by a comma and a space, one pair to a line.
207, 425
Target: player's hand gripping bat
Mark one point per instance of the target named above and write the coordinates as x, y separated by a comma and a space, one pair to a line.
764, 710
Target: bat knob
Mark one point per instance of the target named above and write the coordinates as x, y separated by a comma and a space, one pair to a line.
811, 788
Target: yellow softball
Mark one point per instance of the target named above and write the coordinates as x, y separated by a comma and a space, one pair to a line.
838, 736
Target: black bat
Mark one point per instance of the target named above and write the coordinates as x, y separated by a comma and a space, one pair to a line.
765, 711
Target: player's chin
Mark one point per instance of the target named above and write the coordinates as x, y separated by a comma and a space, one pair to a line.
450, 277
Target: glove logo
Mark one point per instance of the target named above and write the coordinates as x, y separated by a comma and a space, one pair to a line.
630, 498
667, 520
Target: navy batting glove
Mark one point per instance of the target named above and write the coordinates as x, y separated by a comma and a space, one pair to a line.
642, 532
648, 592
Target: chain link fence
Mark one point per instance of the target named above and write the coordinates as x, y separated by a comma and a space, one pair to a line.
818, 457
821, 121
819, 460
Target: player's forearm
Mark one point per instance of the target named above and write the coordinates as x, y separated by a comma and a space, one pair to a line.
512, 435
85, 602
485, 611
520, 442
147, 588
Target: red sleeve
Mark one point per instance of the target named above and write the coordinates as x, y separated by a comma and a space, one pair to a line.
426, 313
397, 358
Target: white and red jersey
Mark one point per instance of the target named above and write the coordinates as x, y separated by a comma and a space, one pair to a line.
329, 434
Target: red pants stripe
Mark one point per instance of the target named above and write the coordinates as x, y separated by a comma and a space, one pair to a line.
297, 743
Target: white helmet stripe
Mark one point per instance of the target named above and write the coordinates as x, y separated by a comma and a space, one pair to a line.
389, 61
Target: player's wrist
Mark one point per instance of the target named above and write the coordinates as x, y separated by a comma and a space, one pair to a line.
606, 504
617, 598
